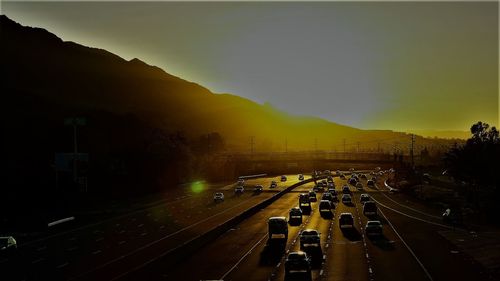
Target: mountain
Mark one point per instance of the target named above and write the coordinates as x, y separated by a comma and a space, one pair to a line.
45, 79
445, 134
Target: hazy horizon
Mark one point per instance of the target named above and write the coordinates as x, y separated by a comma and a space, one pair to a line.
388, 66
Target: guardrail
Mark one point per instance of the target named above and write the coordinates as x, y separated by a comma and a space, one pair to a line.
189, 247
252, 176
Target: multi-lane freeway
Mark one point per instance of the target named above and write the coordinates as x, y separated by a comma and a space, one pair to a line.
135, 246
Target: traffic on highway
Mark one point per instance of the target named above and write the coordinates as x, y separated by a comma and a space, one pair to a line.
329, 225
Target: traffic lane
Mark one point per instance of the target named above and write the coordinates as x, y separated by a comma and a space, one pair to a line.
264, 262
346, 257
73, 253
156, 248
441, 258
234, 243
323, 224
388, 257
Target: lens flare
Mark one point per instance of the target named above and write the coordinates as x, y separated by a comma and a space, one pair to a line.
197, 186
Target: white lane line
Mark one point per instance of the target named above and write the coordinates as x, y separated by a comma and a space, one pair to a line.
37, 260
96, 252
243, 257
140, 225
121, 242
72, 249
144, 234
99, 239
407, 247
41, 248
408, 207
62, 265
413, 217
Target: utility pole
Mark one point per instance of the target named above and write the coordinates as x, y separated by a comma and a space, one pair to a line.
411, 149
251, 145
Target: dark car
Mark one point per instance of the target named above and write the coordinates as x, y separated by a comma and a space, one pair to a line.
329, 179
312, 196
370, 183
274, 184
258, 188
283, 178
327, 196
7, 244
301, 177
373, 228
297, 265
352, 181
325, 207
332, 191
295, 216
305, 202
309, 238
346, 190
346, 199
364, 198
346, 220
369, 208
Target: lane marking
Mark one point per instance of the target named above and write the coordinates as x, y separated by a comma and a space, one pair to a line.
413, 217
408, 247
243, 257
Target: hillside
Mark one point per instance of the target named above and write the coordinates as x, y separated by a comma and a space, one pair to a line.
47, 79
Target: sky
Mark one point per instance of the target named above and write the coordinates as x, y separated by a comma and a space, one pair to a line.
372, 65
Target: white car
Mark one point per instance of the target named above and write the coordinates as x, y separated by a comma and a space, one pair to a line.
218, 197
7, 243
239, 190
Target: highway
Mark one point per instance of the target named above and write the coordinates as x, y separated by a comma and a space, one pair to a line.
101, 250
417, 253
137, 246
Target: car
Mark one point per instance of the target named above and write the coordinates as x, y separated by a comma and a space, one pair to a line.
7, 244
327, 172
283, 178
374, 179
309, 238
301, 177
346, 199
258, 188
295, 216
346, 220
277, 229
312, 196
370, 183
298, 264
339, 172
241, 182
352, 181
335, 198
342, 176
218, 197
351, 169
329, 179
304, 202
363, 176
332, 190
239, 189
274, 184
318, 187
364, 198
325, 206
346, 190
369, 208
331, 185
327, 196
373, 228
359, 185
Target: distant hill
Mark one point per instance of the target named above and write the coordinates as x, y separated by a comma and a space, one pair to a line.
445, 134
45, 79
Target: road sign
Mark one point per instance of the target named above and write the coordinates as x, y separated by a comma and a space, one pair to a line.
76, 121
